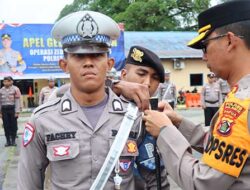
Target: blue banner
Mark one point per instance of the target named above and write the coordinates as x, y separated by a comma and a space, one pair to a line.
34, 54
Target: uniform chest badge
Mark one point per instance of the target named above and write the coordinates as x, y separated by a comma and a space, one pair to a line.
137, 55
125, 164
28, 134
61, 150
131, 147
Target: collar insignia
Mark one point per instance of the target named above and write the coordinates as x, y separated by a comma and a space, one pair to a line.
61, 150
117, 106
124, 165
66, 105
87, 27
131, 147
28, 134
137, 55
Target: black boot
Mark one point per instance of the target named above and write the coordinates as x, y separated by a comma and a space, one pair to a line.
8, 143
13, 141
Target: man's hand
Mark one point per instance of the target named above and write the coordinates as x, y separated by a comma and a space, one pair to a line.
165, 107
139, 93
154, 121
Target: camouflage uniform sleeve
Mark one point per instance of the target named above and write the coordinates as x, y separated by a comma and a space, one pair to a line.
33, 160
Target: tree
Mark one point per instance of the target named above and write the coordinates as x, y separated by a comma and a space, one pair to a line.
146, 15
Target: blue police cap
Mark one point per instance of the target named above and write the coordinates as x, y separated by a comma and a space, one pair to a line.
86, 32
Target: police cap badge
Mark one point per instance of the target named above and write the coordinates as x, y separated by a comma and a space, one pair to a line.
144, 57
86, 32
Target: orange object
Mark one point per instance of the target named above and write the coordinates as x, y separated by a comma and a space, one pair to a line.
193, 100
30, 94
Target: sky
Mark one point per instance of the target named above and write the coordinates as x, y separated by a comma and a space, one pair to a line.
31, 11
35, 11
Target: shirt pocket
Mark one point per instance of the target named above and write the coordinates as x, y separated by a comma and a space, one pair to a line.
65, 150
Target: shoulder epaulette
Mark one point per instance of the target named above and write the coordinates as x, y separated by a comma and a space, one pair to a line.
47, 105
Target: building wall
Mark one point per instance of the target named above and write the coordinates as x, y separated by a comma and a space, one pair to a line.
181, 77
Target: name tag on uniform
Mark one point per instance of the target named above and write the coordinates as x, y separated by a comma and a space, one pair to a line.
61, 136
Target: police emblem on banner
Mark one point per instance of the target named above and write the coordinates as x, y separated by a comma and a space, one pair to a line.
28, 134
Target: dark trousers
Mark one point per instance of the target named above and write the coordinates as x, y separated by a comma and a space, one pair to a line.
9, 121
209, 113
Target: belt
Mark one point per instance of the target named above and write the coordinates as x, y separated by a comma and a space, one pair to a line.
211, 102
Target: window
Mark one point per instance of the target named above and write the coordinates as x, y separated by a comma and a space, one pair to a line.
196, 79
24, 85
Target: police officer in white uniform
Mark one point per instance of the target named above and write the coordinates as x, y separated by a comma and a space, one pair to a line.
74, 133
225, 163
211, 98
47, 91
167, 90
11, 61
224, 88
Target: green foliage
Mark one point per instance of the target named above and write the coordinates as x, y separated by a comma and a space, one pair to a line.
145, 15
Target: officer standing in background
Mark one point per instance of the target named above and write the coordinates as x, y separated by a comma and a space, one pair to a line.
167, 90
224, 88
225, 163
74, 133
11, 61
47, 91
9, 109
211, 98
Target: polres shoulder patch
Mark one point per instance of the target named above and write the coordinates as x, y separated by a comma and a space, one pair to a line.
28, 134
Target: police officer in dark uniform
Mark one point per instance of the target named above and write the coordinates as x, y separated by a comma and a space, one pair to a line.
9, 109
144, 67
